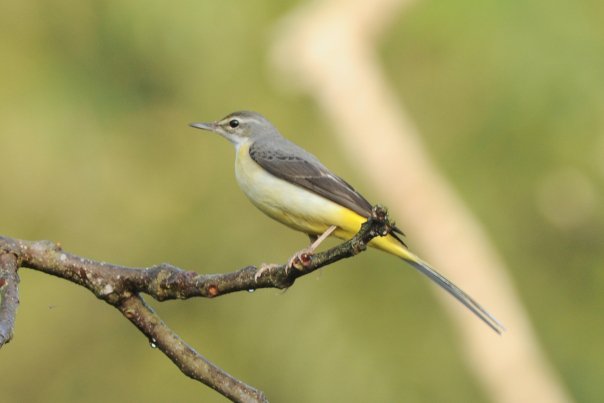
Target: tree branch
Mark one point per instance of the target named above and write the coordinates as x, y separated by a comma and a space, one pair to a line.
121, 286
9, 292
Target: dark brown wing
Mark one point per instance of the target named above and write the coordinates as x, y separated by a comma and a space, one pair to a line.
287, 161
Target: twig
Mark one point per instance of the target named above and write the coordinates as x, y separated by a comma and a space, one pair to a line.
121, 286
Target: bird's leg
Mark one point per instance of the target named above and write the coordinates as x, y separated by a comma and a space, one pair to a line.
264, 267
312, 237
319, 240
316, 241
297, 259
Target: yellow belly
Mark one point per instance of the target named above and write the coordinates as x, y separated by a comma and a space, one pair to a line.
299, 208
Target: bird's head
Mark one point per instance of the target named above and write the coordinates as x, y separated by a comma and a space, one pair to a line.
238, 127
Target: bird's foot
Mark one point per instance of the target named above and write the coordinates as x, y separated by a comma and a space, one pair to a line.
300, 260
264, 267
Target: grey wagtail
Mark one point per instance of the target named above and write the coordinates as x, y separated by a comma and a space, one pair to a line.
292, 186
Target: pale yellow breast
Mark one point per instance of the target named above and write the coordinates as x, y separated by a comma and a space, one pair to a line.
289, 204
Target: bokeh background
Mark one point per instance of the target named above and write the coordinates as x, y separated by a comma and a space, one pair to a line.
95, 153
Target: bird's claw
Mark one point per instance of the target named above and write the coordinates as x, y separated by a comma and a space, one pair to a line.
300, 260
264, 267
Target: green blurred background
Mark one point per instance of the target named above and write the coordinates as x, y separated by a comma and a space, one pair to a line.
95, 152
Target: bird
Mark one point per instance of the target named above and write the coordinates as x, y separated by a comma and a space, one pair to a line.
291, 186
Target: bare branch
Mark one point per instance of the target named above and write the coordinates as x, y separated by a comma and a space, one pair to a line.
121, 286
9, 294
189, 361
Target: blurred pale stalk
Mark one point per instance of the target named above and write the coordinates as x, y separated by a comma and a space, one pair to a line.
327, 49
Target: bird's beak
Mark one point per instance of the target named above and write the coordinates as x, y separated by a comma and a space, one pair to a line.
204, 126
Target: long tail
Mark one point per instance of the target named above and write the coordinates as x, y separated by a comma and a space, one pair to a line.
455, 291
389, 244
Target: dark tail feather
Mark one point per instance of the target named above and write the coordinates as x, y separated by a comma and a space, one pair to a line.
458, 294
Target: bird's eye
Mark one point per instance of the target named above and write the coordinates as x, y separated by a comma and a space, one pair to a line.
234, 123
